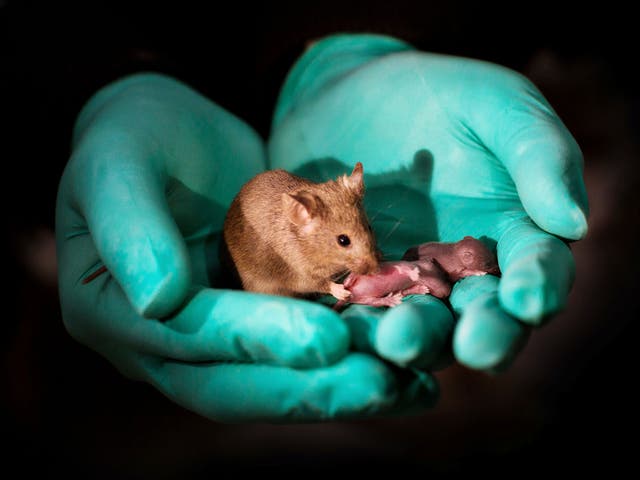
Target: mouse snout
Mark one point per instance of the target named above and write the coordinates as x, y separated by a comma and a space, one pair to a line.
492, 268
366, 265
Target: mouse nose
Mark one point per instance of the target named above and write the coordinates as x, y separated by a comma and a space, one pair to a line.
492, 268
367, 265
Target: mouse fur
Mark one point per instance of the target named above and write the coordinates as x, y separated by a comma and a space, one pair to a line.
287, 235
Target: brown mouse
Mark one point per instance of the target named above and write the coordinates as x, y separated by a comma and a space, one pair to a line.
287, 235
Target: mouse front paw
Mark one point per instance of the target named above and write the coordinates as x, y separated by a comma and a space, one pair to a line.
416, 290
338, 291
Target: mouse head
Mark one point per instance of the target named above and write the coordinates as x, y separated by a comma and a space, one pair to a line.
331, 225
475, 257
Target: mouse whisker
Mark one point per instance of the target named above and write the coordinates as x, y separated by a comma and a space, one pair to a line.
339, 276
375, 215
383, 209
393, 229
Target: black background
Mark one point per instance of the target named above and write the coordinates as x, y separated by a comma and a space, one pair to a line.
567, 404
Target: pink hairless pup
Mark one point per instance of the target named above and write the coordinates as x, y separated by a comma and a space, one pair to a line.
461, 259
429, 268
395, 280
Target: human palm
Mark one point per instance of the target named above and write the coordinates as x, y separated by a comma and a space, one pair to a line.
451, 147
153, 168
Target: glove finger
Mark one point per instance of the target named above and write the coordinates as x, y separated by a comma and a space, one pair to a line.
485, 337
357, 386
127, 216
414, 333
151, 165
226, 325
162, 123
213, 325
418, 390
542, 157
538, 270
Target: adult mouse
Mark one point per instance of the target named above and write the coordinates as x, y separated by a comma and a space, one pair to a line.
287, 235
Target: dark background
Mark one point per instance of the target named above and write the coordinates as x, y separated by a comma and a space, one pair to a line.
566, 405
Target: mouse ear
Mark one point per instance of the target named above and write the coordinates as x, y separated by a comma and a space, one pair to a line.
300, 207
356, 180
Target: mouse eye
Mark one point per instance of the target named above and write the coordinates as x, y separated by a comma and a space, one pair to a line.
343, 240
468, 258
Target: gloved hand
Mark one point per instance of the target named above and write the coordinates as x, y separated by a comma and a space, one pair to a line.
154, 166
450, 147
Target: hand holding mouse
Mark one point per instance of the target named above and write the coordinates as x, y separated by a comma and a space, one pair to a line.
452, 147
154, 167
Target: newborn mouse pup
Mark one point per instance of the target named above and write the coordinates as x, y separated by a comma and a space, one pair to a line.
429, 268
394, 281
466, 257
287, 235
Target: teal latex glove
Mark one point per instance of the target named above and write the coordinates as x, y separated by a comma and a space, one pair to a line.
153, 169
450, 147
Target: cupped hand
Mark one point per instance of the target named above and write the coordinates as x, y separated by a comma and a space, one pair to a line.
154, 166
450, 147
